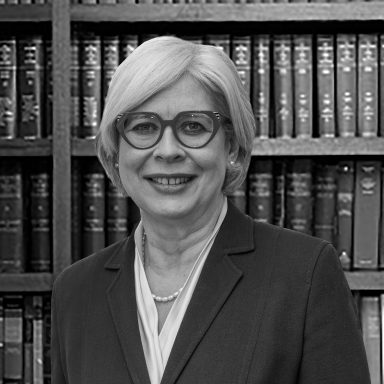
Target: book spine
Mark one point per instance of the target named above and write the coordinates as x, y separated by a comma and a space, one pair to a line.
345, 199
47, 338
260, 187
381, 240
38, 374
40, 214
241, 56
76, 210
110, 58
325, 201
299, 196
1, 339
28, 314
117, 215
279, 192
30, 63
370, 320
382, 334
221, 41
368, 80
48, 82
381, 92
93, 195
90, 62
11, 217
13, 338
8, 88
303, 80
367, 211
283, 86
326, 85
261, 85
346, 79
128, 43
75, 87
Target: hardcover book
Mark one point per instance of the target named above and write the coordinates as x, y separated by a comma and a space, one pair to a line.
75, 86
38, 373
127, 45
221, 41
110, 59
279, 197
241, 56
76, 210
28, 314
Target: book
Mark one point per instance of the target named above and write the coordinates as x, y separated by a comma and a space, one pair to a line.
221, 41
13, 338
381, 85
128, 43
261, 85
93, 207
117, 214
75, 86
346, 85
381, 226
110, 61
40, 250
326, 85
1, 339
382, 333
367, 214
368, 80
8, 88
30, 80
370, 321
11, 217
325, 200
283, 86
344, 208
260, 190
299, 196
38, 373
279, 198
76, 210
90, 81
28, 314
47, 338
303, 80
48, 83
241, 56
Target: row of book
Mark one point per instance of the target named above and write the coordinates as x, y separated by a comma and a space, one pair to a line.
25, 338
25, 2
94, 2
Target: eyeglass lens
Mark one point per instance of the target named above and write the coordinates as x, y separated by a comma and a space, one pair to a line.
192, 129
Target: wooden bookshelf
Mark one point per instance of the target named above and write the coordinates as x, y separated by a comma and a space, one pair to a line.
21, 147
365, 280
35, 13
26, 282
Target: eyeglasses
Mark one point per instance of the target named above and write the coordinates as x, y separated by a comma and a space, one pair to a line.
193, 129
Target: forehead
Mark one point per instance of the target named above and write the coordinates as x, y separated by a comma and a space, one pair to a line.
184, 95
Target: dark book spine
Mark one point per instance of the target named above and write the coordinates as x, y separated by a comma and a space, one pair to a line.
260, 190
47, 338
117, 215
303, 80
381, 252
239, 197
1, 339
241, 56
279, 173
90, 62
28, 339
326, 85
110, 59
345, 198
8, 88
283, 86
325, 201
38, 374
13, 338
261, 85
11, 217
381, 93
367, 212
76, 210
299, 213
75, 87
128, 43
30, 63
48, 83
368, 85
221, 41
346, 80
93, 188
40, 214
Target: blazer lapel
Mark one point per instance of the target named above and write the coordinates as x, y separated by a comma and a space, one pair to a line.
122, 304
218, 279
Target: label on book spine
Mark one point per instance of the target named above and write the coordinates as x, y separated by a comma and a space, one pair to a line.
8, 88
241, 56
110, 61
75, 87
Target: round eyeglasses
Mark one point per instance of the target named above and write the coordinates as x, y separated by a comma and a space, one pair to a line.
193, 129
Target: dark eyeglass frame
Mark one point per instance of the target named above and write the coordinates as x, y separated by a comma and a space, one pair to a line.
216, 117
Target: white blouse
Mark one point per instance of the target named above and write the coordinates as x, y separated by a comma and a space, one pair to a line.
157, 347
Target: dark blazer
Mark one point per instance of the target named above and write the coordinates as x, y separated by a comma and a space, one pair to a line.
271, 306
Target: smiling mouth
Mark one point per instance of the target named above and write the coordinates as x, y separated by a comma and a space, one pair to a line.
171, 180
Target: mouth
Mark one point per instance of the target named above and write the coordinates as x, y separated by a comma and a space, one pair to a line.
171, 180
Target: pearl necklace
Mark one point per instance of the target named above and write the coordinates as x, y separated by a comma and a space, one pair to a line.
159, 299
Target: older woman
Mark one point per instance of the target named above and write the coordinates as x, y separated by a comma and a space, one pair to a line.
199, 293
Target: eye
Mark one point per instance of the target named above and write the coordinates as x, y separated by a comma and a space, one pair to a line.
143, 129
192, 128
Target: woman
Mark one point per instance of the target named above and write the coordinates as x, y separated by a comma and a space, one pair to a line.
199, 293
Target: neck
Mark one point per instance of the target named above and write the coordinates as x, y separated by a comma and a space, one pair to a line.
175, 244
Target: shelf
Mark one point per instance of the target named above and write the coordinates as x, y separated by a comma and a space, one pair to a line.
26, 282
372, 11
21, 147
83, 147
354, 146
365, 280
31, 13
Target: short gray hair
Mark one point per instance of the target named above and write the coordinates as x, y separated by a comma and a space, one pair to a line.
156, 65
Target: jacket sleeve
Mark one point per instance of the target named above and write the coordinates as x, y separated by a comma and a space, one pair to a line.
57, 369
333, 351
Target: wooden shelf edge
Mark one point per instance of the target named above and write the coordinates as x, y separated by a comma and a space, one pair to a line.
21, 147
354, 146
26, 282
365, 280
83, 147
372, 11
30, 13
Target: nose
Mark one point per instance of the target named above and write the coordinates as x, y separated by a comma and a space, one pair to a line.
169, 148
